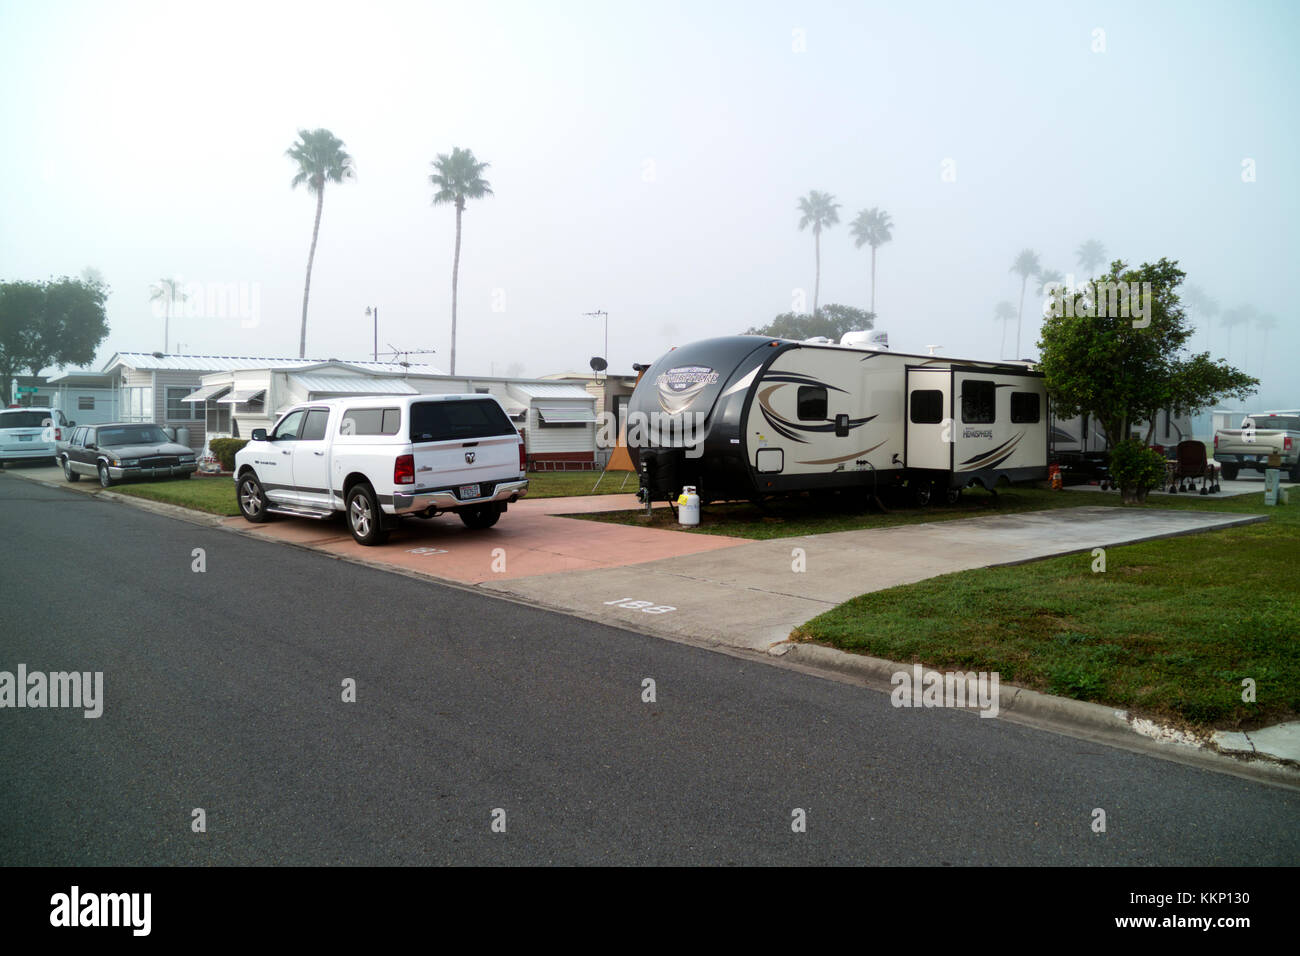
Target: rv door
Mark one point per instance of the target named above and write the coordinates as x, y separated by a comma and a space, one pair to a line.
929, 419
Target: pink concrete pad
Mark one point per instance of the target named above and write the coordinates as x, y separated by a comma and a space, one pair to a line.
534, 541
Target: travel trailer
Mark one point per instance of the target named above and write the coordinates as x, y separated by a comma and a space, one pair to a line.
744, 416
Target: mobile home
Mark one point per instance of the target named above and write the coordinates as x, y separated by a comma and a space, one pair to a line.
746, 416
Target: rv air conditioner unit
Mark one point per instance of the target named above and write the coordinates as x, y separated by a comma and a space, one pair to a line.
875, 339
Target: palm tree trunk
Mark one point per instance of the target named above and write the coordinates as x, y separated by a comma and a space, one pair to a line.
873, 281
306, 289
817, 280
1002, 352
455, 273
167, 321
1024, 281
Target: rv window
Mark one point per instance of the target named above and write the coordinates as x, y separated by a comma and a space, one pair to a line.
1024, 407
812, 403
978, 399
927, 406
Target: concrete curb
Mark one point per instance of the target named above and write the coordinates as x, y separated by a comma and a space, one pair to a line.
1061, 715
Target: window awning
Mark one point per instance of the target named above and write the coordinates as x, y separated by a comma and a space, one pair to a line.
241, 396
555, 414
206, 393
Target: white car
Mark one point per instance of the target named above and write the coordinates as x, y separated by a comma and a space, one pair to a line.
380, 457
31, 434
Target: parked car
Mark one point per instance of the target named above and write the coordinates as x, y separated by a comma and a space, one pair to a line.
380, 457
122, 450
31, 434
1259, 436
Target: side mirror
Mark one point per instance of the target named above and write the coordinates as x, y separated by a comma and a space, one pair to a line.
259, 434
841, 426
72, 424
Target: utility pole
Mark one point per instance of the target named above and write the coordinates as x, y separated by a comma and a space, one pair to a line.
375, 310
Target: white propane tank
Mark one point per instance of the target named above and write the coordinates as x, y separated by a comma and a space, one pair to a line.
688, 507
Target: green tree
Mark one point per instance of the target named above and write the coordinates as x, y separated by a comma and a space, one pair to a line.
872, 227
321, 159
1025, 266
821, 211
167, 291
1104, 366
58, 322
457, 178
831, 321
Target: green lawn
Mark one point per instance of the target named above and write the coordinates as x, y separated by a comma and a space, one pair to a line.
217, 495
214, 495
1170, 629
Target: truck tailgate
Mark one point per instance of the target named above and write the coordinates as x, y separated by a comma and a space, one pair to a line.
456, 464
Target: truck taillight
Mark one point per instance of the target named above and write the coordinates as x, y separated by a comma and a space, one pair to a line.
1216, 442
523, 457
1286, 443
58, 434
404, 470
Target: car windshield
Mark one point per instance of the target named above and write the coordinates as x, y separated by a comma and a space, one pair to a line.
131, 435
25, 419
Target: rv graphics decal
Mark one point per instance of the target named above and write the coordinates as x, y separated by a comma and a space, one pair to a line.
993, 457
679, 386
792, 429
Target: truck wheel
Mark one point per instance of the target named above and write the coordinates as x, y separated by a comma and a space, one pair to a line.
365, 520
105, 479
1295, 471
1230, 471
476, 519
252, 499
68, 472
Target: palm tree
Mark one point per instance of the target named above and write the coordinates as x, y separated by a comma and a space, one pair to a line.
167, 291
1026, 265
821, 211
1265, 323
872, 227
1004, 312
458, 177
1242, 315
321, 159
1090, 255
1203, 307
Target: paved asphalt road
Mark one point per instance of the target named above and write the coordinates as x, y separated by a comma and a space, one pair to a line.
223, 691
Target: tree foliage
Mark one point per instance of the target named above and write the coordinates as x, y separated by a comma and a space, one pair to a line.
56, 322
1121, 369
831, 321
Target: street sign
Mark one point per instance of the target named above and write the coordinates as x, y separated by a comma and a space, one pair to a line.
24, 389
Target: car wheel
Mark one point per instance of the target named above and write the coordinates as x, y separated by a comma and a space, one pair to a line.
479, 518
365, 520
68, 473
105, 479
1295, 471
252, 499
1230, 472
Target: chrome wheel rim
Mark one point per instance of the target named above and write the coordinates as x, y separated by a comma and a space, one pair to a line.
249, 499
67, 470
103, 476
360, 515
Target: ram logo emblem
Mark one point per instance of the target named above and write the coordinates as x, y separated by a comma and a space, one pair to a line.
469, 458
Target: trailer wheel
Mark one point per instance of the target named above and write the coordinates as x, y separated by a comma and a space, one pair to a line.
951, 496
922, 494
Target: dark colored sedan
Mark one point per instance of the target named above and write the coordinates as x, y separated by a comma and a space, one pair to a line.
117, 451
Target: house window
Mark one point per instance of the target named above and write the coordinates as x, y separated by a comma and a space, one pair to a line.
927, 406
218, 418
978, 402
85, 403
812, 403
137, 402
1024, 407
40, 401
179, 410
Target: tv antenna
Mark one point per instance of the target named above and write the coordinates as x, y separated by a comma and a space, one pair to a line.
402, 356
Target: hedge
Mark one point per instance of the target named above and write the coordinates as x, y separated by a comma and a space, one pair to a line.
225, 450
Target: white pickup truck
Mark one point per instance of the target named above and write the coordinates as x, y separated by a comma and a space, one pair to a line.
377, 458
1261, 435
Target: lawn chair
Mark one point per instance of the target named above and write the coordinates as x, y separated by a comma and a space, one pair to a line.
1190, 464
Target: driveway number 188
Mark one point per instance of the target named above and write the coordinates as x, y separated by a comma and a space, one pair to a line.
649, 607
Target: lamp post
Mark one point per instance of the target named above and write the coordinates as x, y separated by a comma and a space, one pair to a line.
374, 310
605, 356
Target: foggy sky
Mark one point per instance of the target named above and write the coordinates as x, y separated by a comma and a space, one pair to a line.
646, 160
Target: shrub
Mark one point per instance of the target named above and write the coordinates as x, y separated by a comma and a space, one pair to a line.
225, 450
1136, 469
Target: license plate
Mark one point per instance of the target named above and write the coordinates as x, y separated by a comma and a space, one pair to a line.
468, 491
26, 437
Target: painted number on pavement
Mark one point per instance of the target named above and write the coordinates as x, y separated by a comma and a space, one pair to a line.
648, 607
426, 550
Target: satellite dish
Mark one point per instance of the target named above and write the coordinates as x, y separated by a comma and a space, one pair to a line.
598, 364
